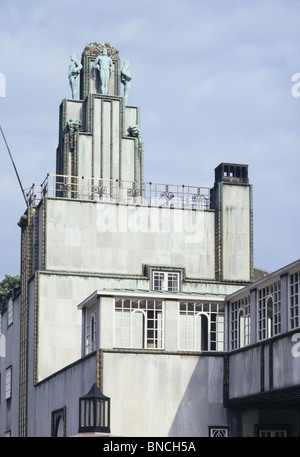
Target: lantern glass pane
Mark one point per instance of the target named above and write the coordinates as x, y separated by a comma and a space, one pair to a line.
87, 410
91, 413
106, 414
98, 413
82, 417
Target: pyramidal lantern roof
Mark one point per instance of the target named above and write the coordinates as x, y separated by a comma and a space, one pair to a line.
94, 392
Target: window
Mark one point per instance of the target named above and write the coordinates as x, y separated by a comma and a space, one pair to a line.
166, 281
240, 323
294, 300
269, 311
138, 324
10, 311
201, 326
91, 331
8, 383
272, 433
58, 423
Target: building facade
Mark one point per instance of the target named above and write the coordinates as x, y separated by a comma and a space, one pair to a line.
140, 291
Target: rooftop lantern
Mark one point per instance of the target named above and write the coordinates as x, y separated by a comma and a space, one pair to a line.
94, 412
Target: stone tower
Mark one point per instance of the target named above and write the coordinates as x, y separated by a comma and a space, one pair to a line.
99, 135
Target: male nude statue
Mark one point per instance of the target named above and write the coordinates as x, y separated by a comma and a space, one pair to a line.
105, 66
74, 70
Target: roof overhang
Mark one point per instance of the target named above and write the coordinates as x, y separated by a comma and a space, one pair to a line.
288, 397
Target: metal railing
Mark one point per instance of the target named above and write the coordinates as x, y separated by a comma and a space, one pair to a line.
118, 191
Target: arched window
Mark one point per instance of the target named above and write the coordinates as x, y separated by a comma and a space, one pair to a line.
202, 332
269, 311
138, 329
270, 317
241, 328
93, 333
91, 330
58, 423
59, 427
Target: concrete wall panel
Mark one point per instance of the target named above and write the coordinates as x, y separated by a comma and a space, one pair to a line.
121, 239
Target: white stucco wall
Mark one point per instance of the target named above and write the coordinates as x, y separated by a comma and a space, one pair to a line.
106, 238
59, 321
163, 394
286, 361
244, 372
61, 391
285, 354
74, 109
236, 232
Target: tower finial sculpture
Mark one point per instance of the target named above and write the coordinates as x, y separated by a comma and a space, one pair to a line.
105, 66
74, 70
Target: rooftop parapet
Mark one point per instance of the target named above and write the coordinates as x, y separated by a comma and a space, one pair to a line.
117, 191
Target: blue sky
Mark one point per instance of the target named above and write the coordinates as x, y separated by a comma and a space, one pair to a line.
213, 80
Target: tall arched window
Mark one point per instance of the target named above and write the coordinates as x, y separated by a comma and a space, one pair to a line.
241, 328
269, 311
202, 332
93, 333
91, 330
240, 322
270, 317
58, 422
138, 329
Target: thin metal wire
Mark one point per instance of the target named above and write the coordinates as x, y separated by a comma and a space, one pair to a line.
15, 168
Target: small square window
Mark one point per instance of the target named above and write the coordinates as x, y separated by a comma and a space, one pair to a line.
166, 281
158, 281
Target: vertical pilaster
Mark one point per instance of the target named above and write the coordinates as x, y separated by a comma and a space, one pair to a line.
36, 327
219, 233
253, 316
26, 224
99, 369
284, 298
226, 381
